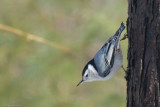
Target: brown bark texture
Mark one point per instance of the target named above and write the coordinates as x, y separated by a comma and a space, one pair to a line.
143, 73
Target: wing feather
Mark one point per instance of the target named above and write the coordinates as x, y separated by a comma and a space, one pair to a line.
105, 57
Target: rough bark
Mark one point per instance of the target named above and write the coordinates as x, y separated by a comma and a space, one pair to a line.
143, 76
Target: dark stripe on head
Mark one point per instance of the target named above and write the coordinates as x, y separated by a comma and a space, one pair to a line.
90, 62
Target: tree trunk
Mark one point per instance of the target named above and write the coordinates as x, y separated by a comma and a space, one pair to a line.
143, 76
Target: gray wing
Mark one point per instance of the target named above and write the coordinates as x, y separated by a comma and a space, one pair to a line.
104, 58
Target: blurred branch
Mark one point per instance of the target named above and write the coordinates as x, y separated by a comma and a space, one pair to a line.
35, 38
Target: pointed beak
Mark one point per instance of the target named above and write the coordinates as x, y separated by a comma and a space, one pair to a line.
80, 83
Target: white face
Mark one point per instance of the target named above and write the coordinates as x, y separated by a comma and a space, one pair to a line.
90, 74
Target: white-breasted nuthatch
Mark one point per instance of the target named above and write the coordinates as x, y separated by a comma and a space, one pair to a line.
107, 61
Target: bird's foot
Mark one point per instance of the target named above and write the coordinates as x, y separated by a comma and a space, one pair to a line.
124, 69
126, 72
124, 37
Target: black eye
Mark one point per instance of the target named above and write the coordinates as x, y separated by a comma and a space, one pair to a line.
87, 75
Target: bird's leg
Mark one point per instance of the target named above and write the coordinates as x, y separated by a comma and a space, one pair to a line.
126, 72
123, 69
124, 37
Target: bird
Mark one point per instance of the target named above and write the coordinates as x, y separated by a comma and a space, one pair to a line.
107, 61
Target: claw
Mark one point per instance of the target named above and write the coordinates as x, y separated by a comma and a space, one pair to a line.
124, 37
126, 72
123, 68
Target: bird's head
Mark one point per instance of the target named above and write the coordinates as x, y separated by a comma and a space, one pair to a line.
89, 73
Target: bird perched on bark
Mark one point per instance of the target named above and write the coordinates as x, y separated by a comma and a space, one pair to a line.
107, 61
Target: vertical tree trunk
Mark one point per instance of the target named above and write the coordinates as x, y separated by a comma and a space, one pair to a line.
143, 77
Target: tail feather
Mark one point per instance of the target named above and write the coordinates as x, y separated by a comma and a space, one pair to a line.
118, 34
120, 30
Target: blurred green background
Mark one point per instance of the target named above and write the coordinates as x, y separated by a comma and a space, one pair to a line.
33, 74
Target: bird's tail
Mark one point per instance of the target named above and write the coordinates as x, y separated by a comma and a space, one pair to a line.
118, 34
120, 30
